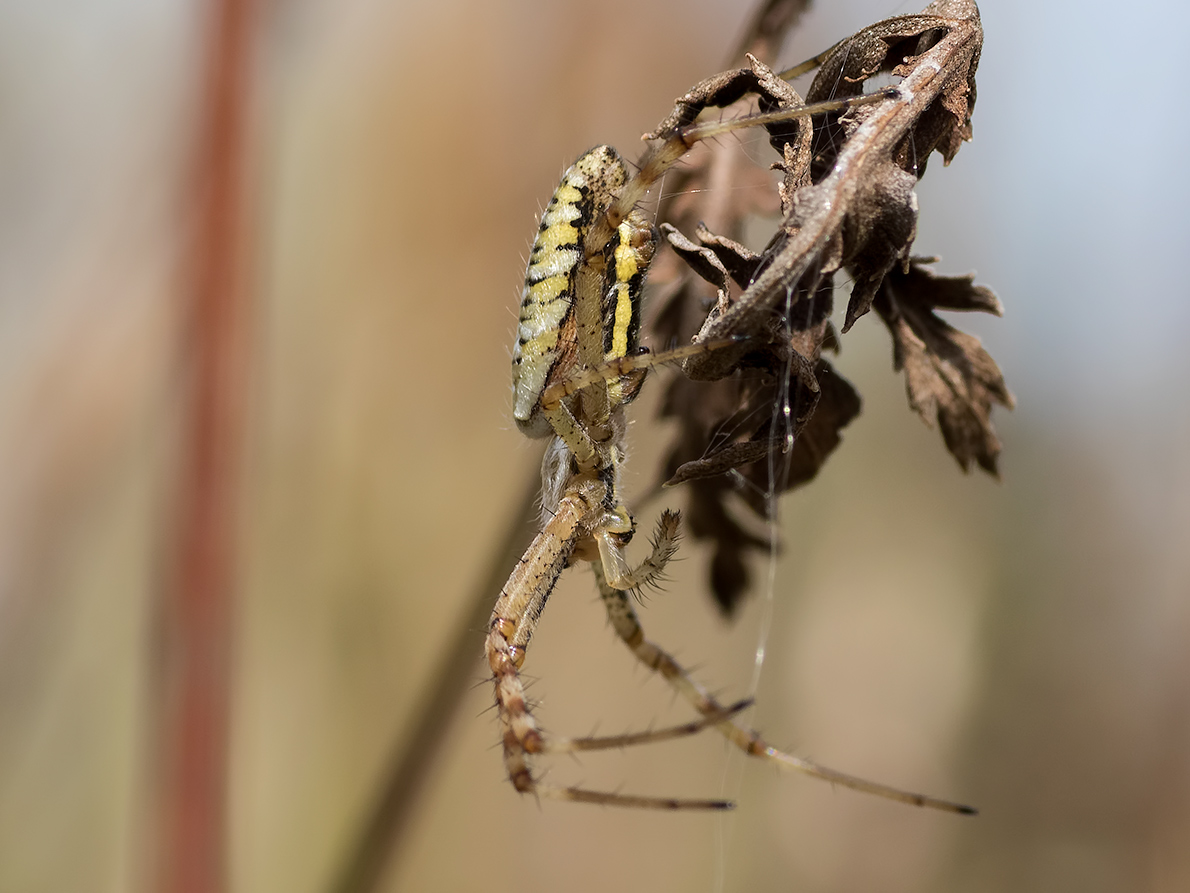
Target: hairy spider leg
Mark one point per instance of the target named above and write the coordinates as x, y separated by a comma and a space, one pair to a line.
674, 144
625, 622
513, 622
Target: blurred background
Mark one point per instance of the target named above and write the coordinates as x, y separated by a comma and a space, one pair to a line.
1022, 645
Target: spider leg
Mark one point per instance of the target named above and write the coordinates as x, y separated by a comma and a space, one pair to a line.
563, 422
582, 795
615, 569
554, 744
514, 620
696, 132
809, 65
566, 426
678, 134
619, 367
627, 626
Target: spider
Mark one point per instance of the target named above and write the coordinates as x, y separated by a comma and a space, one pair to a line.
577, 363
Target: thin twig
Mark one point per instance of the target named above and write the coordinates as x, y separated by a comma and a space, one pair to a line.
412, 757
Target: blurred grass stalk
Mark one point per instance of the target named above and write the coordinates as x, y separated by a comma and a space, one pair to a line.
196, 611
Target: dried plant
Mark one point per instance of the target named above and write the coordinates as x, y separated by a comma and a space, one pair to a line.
760, 418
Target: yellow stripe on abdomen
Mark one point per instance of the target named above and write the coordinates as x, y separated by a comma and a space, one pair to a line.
586, 190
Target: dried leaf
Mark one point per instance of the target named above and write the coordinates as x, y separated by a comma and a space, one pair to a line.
948, 374
860, 211
764, 415
738, 462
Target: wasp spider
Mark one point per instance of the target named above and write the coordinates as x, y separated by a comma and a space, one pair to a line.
576, 364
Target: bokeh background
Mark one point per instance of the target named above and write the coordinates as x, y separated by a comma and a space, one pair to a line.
1022, 645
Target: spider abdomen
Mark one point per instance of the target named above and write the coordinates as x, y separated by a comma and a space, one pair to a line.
546, 331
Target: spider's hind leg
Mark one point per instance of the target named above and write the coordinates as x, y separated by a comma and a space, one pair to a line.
513, 622
627, 626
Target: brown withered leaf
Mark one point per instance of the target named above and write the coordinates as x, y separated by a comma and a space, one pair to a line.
702, 260
717, 189
735, 470
897, 46
709, 516
727, 427
800, 457
766, 413
860, 211
948, 374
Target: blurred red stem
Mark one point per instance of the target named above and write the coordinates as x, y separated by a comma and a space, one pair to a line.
197, 610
